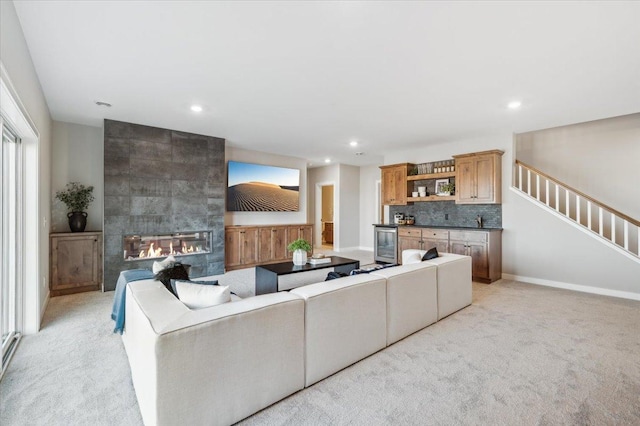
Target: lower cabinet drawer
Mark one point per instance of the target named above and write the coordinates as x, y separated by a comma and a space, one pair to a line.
435, 234
476, 236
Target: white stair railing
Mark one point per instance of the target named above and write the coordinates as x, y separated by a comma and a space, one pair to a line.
609, 224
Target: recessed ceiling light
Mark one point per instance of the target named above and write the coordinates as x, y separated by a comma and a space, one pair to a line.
104, 104
353, 143
196, 108
327, 160
514, 105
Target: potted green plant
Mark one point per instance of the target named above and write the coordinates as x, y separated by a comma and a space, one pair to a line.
447, 188
300, 247
77, 197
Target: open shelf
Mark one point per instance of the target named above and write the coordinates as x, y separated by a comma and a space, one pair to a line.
432, 176
432, 198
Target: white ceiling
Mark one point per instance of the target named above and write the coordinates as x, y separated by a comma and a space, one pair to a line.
305, 78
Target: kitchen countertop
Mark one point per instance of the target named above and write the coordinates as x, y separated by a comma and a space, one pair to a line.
466, 228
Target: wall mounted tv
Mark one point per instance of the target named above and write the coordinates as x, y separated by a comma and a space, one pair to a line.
260, 188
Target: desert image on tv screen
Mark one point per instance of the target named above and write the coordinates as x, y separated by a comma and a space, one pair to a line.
259, 188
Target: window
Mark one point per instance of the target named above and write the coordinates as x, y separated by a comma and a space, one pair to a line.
10, 247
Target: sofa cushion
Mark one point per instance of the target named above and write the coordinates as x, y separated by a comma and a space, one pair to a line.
345, 321
163, 264
432, 253
176, 272
411, 299
198, 296
174, 281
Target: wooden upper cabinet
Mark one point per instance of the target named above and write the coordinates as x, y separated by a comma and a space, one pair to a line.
394, 184
479, 177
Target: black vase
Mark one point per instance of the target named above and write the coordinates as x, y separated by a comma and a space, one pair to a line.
77, 221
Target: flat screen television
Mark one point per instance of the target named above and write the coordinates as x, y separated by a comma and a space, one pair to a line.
260, 188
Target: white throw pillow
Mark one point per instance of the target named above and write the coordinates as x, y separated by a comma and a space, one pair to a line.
161, 266
198, 296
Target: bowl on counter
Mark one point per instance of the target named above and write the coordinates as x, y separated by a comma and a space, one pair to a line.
410, 220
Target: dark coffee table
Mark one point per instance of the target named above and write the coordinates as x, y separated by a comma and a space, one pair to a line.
267, 275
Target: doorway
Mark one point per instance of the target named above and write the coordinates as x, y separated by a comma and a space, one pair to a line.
325, 218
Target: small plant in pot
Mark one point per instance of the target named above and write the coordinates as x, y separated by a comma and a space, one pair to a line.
77, 197
299, 247
447, 189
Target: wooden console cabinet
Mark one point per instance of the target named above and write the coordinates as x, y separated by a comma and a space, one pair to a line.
247, 246
75, 262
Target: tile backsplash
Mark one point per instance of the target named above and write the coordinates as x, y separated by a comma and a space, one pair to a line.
435, 213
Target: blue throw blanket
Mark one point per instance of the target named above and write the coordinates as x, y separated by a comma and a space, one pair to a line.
117, 313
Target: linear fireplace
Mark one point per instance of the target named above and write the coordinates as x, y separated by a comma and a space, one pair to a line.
138, 247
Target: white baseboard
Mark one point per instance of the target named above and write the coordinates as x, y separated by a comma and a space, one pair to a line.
574, 287
44, 308
341, 249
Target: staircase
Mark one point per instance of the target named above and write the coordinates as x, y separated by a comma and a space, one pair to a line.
597, 219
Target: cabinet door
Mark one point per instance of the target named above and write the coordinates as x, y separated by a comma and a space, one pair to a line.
400, 185
232, 247
388, 187
406, 243
306, 233
484, 176
458, 247
441, 245
299, 231
465, 184
279, 243
479, 259
265, 245
249, 241
394, 185
75, 262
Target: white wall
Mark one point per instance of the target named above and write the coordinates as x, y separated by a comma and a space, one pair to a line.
16, 60
77, 156
535, 245
268, 218
349, 195
369, 175
599, 158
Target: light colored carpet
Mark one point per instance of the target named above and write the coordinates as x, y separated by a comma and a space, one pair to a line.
521, 354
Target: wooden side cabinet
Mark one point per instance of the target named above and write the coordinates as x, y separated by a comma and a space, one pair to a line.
75, 262
479, 177
395, 189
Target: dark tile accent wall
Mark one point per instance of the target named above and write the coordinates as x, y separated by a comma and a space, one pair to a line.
161, 181
433, 213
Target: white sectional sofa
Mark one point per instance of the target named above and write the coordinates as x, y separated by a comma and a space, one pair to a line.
218, 365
